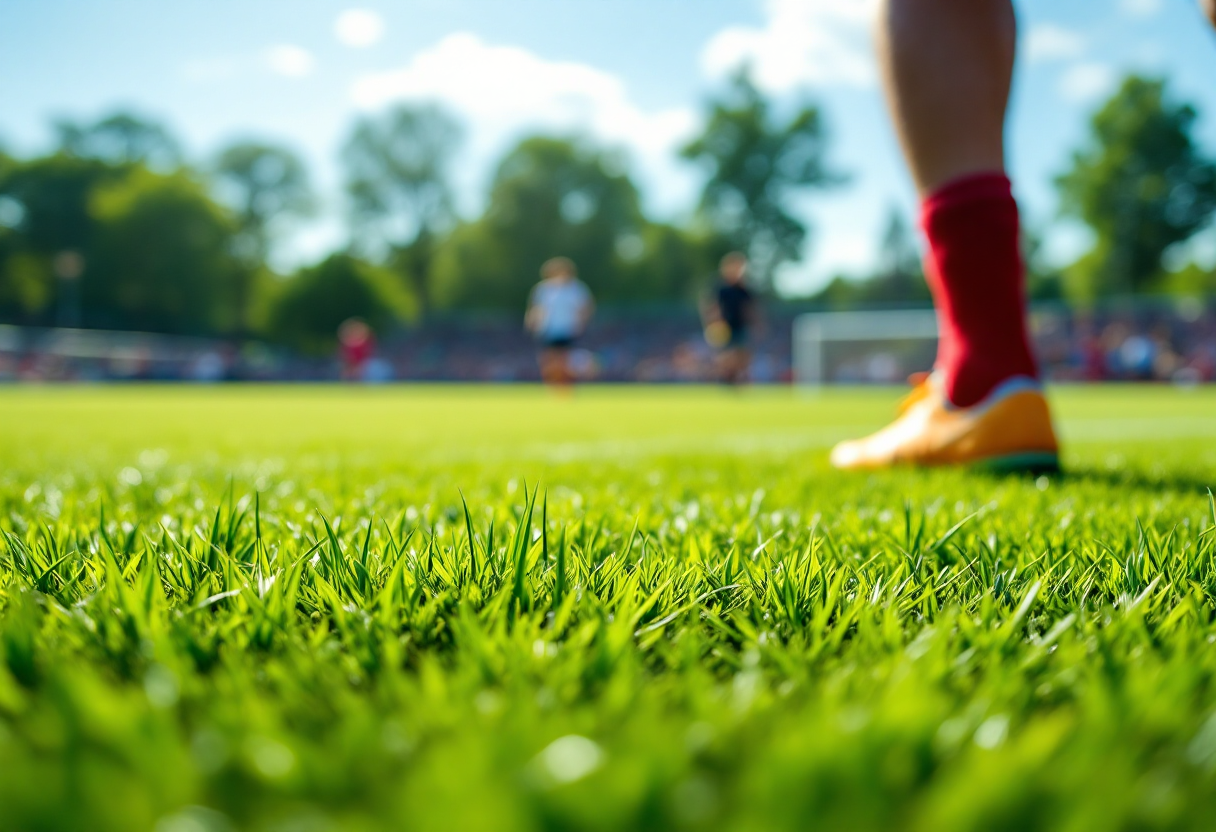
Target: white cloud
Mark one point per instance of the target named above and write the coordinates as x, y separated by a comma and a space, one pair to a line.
289, 61
1050, 42
359, 28
802, 42
501, 92
835, 250
1084, 82
1140, 8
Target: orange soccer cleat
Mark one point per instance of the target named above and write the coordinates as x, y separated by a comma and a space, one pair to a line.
1010, 430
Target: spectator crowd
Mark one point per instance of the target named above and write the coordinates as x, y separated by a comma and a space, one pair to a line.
1142, 342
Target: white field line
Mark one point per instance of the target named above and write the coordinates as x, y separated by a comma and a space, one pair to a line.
745, 444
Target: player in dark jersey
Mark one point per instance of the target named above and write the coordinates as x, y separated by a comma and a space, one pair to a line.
947, 67
730, 317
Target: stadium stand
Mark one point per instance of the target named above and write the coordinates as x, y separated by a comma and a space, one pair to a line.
1141, 341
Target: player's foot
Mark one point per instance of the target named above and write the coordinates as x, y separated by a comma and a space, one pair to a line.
1010, 430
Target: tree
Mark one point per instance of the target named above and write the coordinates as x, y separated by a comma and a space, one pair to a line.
121, 139
268, 186
45, 207
897, 278
1044, 280
26, 284
1141, 185
549, 197
1192, 280
52, 195
664, 263
161, 258
26, 288
306, 310
899, 258
755, 165
398, 183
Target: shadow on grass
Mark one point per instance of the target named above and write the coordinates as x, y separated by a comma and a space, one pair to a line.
1181, 482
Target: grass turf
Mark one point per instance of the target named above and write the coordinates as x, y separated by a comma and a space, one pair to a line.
260, 608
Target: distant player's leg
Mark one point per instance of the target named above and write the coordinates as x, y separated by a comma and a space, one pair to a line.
549, 371
947, 67
555, 366
732, 365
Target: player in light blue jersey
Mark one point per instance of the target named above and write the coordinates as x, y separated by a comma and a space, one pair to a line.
559, 310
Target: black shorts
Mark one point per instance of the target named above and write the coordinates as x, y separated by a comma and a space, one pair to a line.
557, 343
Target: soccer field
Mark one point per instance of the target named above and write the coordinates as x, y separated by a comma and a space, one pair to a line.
259, 608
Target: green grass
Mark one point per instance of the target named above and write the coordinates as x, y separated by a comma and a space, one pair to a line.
260, 608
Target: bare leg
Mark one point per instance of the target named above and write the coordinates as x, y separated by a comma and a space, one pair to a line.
947, 67
733, 365
1209, 6
555, 367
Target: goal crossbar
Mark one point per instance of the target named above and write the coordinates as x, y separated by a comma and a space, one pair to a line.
813, 330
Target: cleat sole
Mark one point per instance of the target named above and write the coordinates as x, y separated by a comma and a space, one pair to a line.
1033, 462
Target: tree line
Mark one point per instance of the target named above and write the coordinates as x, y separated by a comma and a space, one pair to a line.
1142, 186
115, 228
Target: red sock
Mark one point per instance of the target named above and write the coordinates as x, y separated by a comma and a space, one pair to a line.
974, 269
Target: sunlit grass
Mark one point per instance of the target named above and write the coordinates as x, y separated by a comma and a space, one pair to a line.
458, 608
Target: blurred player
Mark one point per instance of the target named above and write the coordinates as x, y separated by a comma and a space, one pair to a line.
558, 313
357, 346
729, 316
947, 67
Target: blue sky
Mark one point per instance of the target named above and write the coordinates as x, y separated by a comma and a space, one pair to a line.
632, 73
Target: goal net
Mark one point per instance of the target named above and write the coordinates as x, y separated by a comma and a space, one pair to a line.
863, 347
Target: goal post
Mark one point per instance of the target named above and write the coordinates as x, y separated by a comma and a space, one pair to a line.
881, 345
